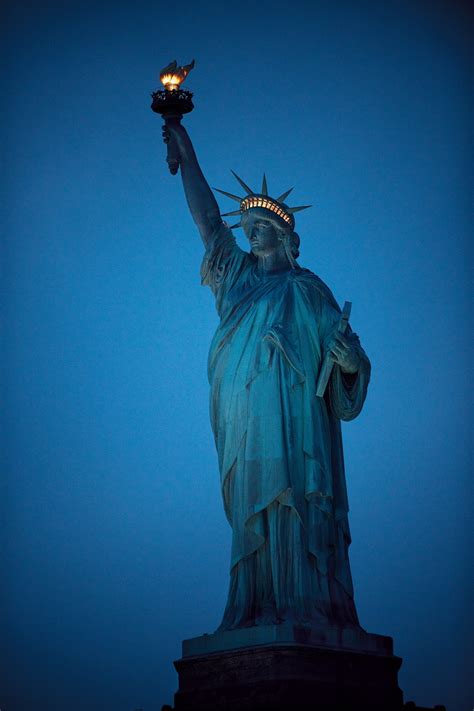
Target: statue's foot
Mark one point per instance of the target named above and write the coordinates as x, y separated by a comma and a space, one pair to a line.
267, 616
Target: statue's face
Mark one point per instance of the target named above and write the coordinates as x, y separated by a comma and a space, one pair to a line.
262, 235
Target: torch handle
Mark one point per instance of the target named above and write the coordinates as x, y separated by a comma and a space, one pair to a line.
172, 157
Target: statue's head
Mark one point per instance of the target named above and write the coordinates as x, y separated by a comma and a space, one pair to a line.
268, 222
268, 233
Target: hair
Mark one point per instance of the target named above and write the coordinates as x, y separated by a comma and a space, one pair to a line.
291, 243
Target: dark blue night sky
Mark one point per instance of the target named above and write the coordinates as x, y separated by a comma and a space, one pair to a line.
115, 545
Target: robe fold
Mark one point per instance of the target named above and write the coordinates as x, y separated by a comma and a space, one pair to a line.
279, 445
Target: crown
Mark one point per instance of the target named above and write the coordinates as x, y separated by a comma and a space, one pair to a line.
262, 200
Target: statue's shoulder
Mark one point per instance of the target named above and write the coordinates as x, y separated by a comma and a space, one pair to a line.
312, 283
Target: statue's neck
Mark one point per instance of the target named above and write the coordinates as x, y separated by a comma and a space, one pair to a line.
277, 261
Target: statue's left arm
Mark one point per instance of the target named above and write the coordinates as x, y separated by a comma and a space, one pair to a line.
347, 387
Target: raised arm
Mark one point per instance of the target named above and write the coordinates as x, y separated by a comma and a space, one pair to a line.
200, 199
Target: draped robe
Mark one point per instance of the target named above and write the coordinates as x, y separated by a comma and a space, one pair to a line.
279, 445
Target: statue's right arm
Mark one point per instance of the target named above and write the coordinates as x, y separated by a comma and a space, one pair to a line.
201, 201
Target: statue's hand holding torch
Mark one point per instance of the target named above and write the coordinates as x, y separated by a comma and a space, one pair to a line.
169, 137
172, 103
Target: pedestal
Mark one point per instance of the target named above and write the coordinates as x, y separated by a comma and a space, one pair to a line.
287, 667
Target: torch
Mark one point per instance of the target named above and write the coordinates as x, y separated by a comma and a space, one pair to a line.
172, 103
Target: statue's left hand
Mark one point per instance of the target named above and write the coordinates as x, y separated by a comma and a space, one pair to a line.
343, 349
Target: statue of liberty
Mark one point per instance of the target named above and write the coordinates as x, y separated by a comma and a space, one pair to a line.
279, 445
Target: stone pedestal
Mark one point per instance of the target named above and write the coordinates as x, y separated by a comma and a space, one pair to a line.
286, 667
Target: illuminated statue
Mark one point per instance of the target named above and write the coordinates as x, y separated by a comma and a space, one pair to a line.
279, 444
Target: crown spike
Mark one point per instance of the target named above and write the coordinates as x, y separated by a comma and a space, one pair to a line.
234, 212
238, 224
264, 185
248, 190
284, 195
231, 195
291, 210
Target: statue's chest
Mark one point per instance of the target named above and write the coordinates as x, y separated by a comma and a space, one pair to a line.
258, 299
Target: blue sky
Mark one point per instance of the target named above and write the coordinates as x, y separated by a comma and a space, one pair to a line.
116, 546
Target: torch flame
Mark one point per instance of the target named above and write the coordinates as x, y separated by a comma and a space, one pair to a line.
172, 76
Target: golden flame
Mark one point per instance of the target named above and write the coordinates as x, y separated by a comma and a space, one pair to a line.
173, 76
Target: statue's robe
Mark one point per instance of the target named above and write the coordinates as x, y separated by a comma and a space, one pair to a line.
279, 445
